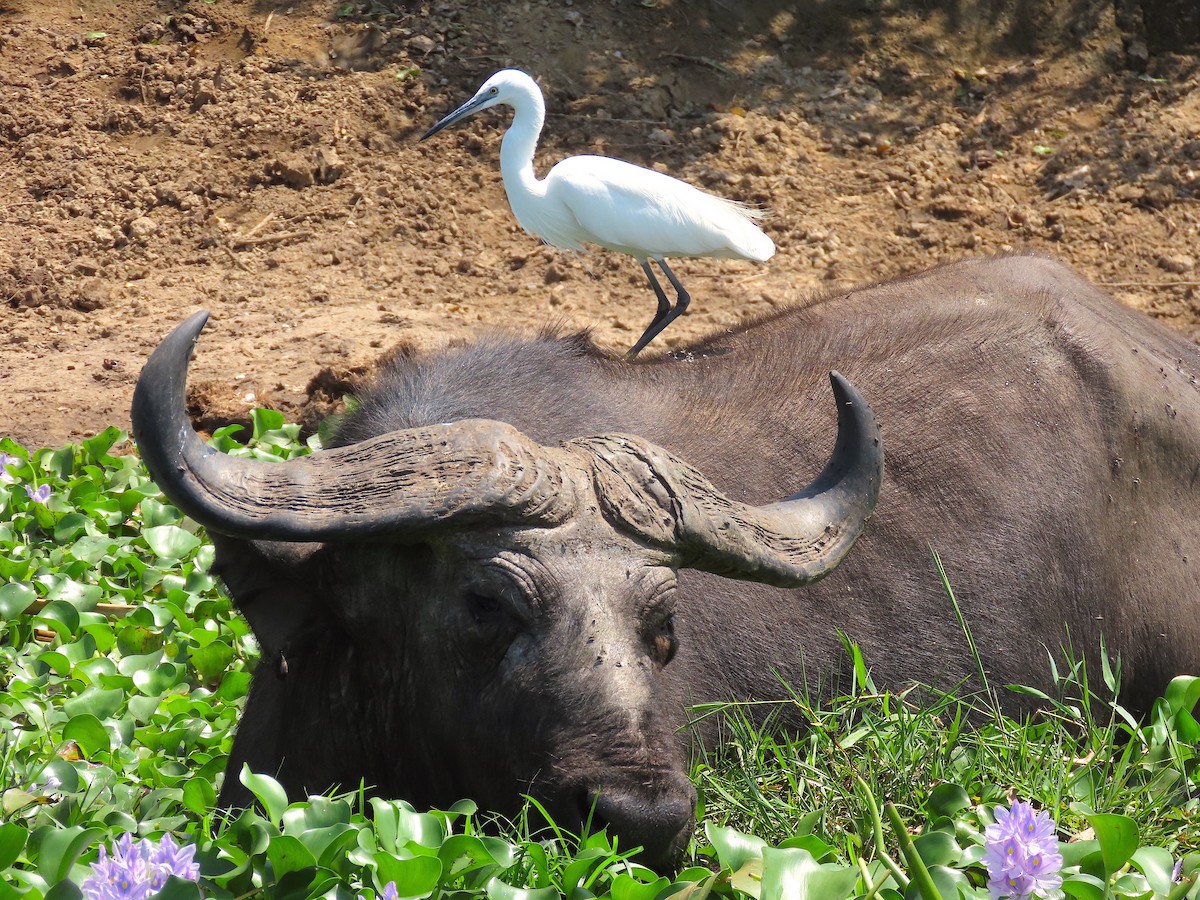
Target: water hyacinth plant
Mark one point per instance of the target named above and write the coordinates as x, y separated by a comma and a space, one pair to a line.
1022, 853
139, 870
123, 668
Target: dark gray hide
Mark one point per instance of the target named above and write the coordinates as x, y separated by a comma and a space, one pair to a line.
1043, 438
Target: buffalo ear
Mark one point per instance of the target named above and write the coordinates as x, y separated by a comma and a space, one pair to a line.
275, 586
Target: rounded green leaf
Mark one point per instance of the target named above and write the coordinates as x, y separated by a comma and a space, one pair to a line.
199, 796
86, 731
414, 877
946, 801
498, 890
1084, 887
70, 527
57, 849
160, 679
15, 598
170, 542
268, 791
179, 889
937, 848
1118, 837
626, 887
61, 617
734, 849
810, 842
96, 701
64, 771
288, 854
12, 842
212, 660
794, 875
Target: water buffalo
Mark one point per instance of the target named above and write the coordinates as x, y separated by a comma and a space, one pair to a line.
507, 576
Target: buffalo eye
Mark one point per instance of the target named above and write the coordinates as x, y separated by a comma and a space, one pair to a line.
484, 606
664, 644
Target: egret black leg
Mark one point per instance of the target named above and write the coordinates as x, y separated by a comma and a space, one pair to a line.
666, 314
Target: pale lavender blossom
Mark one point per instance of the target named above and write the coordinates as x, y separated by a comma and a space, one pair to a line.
1021, 851
40, 495
139, 871
1177, 872
6, 460
390, 892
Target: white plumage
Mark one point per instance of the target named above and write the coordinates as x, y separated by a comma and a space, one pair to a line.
610, 203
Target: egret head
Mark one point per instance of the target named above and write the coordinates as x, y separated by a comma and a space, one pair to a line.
506, 86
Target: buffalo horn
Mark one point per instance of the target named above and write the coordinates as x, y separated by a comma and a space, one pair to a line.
471, 472
789, 543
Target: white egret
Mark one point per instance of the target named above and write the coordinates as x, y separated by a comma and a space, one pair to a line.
611, 203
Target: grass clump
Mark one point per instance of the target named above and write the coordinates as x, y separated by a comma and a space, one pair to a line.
124, 668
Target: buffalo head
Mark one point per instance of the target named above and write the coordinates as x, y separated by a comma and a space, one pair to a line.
455, 610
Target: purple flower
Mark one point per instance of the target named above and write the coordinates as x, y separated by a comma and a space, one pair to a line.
1021, 851
41, 495
6, 460
390, 892
1177, 872
139, 871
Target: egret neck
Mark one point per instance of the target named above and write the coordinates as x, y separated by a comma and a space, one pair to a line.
521, 185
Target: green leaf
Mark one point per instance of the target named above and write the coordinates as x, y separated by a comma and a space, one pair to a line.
170, 542
96, 448
15, 799
1156, 864
1118, 837
270, 793
15, 598
795, 875
820, 850
288, 854
499, 890
947, 801
61, 617
12, 842
414, 877
86, 731
734, 849
199, 796
265, 420
160, 679
937, 848
1084, 887
626, 887
212, 660
179, 889
70, 527
95, 701
58, 848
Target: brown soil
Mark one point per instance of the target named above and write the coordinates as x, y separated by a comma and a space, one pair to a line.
260, 160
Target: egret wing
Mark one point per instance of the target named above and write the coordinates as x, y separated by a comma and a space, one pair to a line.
646, 214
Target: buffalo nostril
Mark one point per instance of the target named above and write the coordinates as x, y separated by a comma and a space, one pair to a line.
659, 818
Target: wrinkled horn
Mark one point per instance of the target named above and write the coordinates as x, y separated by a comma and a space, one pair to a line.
789, 543
471, 472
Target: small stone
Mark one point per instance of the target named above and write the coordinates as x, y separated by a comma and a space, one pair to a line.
1179, 263
292, 169
142, 228
422, 43
91, 295
327, 164
554, 274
